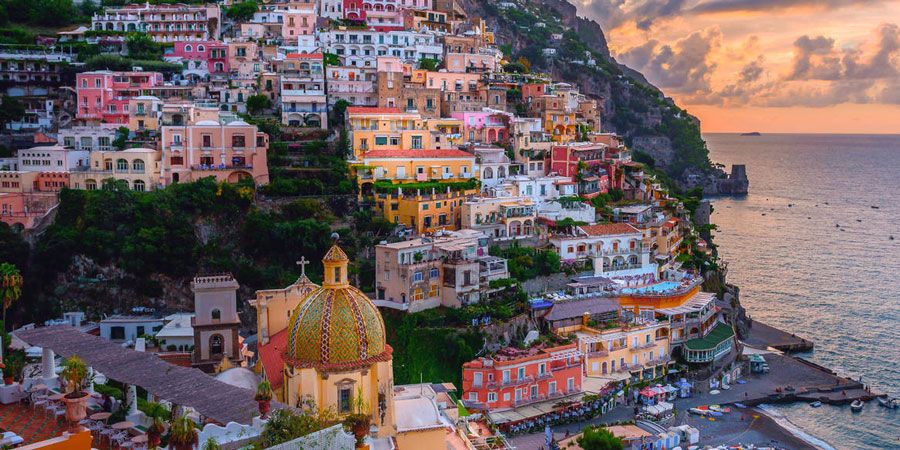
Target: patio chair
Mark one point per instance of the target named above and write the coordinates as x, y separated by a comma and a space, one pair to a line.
38, 399
120, 438
108, 432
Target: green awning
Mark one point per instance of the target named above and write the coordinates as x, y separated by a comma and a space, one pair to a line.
754, 358
719, 334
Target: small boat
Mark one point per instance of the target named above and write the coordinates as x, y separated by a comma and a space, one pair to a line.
856, 406
698, 411
874, 207
740, 405
889, 403
815, 404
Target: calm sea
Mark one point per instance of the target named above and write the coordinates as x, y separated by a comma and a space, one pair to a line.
813, 256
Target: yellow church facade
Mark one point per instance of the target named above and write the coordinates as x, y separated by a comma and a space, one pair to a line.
325, 346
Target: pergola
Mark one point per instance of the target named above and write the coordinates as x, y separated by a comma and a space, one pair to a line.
214, 400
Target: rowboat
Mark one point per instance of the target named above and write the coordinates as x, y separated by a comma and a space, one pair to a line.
856, 406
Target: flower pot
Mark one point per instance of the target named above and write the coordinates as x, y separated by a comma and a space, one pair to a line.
153, 440
76, 408
8, 380
264, 406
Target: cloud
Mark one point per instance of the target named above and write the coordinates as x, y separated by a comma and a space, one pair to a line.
726, 6
818, 59
752, 71
684, 67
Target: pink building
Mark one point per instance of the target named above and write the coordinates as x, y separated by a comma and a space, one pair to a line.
381, 15
483, 126
208, 56
229, 152
462, 62
514, 377
298, 22
104, 95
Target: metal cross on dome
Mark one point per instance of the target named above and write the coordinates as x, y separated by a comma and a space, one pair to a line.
302, 263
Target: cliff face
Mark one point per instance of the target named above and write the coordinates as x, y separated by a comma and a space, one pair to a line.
661, 133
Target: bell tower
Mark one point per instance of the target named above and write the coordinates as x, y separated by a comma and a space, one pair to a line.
216, 322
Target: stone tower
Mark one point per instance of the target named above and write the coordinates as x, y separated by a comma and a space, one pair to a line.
215, 322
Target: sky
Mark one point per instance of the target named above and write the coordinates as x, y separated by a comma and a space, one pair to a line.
773, 66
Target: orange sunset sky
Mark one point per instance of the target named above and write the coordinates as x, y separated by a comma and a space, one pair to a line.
775, 66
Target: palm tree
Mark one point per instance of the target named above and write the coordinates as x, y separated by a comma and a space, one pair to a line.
10, 286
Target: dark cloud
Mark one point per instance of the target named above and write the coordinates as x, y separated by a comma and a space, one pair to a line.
818, 59
685, 67
752, 71
723, 6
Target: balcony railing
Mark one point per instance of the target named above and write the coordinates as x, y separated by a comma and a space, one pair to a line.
220, 166
303, 109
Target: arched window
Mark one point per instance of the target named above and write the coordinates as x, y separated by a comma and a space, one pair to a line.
216, 314
139, 186
90, 184
138, 165
216, 345
200, 48
122, 165
188, 48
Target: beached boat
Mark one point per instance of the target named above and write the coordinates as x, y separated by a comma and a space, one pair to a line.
856, 406
890, 403
815, 404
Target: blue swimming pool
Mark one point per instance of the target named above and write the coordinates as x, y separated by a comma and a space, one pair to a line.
653, 288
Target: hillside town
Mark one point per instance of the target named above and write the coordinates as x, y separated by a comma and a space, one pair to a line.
594, 287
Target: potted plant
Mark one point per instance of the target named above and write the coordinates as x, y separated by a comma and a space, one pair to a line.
75, 374
264, 398
182, 434
156, 413
359, 420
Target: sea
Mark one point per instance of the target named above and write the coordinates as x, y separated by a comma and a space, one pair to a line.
810, 247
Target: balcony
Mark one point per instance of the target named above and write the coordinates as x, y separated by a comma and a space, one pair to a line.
221, 166
598, 354
304, 109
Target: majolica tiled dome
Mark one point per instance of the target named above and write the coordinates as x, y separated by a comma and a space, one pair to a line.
336, 326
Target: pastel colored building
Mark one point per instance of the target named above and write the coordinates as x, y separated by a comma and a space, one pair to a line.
53, 158
471, 62
163, 22
637, 351
303, 100
384, 129
422, 212
229, 152
22, 211
363, 47
564, 159
298, 22
200, 58
144, 113
616, 249
515, 377
137, 168
104, 95
452, 269
355, 85
484, 126
500, 217
427, 20
410, 166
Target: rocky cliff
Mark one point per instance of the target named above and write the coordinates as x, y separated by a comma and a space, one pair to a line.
661, 133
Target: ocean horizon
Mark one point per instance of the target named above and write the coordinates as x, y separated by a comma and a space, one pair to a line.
810, 247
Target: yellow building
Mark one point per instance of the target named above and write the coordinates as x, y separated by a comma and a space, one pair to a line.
144, 113
139, 168
385, 129
630, 351
561, 125
411, 166
424, 211
451, 129
332, 350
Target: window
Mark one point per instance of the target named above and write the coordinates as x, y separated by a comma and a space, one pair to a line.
138, 165
521, 373
188, 48
416, 142
506, 376
542, 368
476, 379
534, 392
122, 165
139, 186
380, 140
337, 274
433, 273
216, 314
417, 276
473, 396
551, 387
117, 333
216, 345
570, 384
492, 397
237, 140
434, 291
206, 141
344, 399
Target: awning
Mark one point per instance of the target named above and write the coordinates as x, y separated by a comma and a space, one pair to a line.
212, 398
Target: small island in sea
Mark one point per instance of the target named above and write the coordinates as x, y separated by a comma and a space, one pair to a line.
753, 133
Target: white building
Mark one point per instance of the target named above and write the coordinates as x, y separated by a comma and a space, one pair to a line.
577, 211
121, 328
177, 331
616, 249
54, 158
361, 47
493, 165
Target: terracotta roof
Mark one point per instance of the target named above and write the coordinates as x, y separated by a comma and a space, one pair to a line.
272, 359
304, 55
445, 153
372, 110
609, 229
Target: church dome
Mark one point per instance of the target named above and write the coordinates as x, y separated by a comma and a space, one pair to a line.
336, 326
